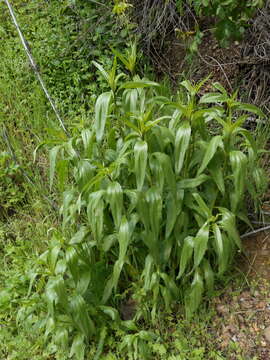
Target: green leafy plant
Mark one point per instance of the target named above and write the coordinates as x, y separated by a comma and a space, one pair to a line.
158, 188
120, 6
232, 16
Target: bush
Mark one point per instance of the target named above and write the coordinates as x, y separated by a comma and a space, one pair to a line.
232, 16
157, 188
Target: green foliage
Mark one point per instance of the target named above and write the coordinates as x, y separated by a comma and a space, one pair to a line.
12, 186
232, 15
157, 190
120, 6
63, 46
22, 280
146, 212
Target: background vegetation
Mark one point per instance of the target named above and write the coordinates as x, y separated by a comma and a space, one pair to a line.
106, 234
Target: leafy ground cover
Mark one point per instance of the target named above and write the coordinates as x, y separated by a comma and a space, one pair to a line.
39, 268
231, 326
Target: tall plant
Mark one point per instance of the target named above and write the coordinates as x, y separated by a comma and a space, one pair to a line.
156, 189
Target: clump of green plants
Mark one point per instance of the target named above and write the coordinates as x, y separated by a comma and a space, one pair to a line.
155, 191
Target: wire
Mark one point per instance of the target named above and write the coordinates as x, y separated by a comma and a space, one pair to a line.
35, 67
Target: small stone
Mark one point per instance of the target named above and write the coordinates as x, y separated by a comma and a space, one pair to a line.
241, 319
222, 309
245, 294
267, 334
246, 304
261, 305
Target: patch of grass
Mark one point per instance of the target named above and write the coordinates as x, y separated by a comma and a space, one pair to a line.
22, 309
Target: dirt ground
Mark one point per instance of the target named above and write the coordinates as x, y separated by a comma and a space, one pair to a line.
243, 316
242, 65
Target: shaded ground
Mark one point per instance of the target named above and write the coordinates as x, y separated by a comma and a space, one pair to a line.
222, 63
235, 67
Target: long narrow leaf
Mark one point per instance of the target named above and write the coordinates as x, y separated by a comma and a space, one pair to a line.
216, 172
220, 249
192, 183
52, 156
204, 209
194, 297
124, 237
167, 167
95, 213
139, 84
80, 316
228, 223
103, 71
208, 275
172, 212
182, 139
186, 255
140, 153
115, 199
238, 162
200, 244
215, 142
213, 98
101, 113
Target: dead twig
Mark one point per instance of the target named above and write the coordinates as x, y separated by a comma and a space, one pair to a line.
255, 232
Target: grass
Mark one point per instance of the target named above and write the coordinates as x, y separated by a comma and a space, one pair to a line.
23, 238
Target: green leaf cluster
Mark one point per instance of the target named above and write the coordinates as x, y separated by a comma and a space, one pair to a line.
231, 16
154, 192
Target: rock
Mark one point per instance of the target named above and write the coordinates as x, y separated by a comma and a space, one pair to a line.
267, 334
222, 309
261, 305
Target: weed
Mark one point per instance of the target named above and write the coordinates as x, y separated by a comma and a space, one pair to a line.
158, 189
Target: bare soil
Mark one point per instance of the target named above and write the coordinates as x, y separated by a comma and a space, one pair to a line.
242, 318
